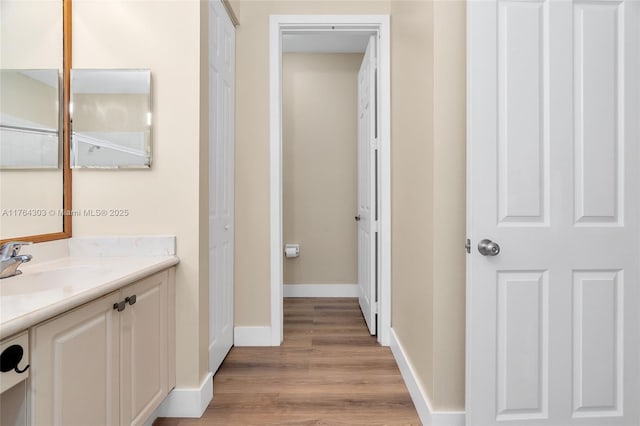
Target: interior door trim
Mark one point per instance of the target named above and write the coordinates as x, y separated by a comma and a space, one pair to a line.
285, 24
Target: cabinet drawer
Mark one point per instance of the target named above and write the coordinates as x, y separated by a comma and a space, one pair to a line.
10, 350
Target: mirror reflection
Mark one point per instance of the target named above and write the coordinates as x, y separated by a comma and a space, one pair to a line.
29, 119
31, 172
111, 118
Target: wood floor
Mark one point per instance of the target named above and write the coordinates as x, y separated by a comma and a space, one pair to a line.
329, 371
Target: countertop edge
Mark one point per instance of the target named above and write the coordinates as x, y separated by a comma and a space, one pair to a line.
24, 322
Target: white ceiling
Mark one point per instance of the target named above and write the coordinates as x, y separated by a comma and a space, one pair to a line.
135, 82
325, 42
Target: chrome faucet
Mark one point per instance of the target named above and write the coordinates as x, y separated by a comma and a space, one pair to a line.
11, 259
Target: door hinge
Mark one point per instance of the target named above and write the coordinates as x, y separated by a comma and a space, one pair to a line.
467, 246
376, 307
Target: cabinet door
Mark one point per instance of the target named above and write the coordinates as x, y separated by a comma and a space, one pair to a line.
144, 349
13, 406
75, 367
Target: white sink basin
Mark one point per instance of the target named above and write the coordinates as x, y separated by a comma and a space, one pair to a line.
43, 279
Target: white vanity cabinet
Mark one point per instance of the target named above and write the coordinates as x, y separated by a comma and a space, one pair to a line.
108, 362
75, 366
147, 338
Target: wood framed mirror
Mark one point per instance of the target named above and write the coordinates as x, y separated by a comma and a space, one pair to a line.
35, 202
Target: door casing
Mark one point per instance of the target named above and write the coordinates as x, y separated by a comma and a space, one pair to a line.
296, 24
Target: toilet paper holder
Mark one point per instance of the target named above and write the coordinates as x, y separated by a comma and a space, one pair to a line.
291, 250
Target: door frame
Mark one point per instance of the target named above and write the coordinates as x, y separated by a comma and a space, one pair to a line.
283, 24
471, 27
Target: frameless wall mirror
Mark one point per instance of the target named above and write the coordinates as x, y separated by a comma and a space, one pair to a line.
110, 118
35, 187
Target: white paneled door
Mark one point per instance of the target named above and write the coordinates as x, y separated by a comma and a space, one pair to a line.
367, 216
553, 145
221, 182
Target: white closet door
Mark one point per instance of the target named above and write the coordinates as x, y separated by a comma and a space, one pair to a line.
221, 182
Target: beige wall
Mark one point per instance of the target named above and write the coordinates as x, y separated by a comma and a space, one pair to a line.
165, 37
412, 182
319, 147
31, 34
449, 206
428, 152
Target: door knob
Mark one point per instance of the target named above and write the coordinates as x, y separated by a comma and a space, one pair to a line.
357, 218
226, 227
488, 248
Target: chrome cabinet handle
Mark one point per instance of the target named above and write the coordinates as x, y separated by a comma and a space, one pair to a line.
488, 248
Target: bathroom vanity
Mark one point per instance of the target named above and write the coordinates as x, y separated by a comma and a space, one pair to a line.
87, 331
97, 335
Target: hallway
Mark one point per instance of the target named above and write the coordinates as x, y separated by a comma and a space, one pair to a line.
328, 371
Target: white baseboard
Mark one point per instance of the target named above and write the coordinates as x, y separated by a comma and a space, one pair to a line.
252, 336
418, 394
186, 402
320, 290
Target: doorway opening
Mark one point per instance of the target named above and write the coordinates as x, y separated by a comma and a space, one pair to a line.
372, 33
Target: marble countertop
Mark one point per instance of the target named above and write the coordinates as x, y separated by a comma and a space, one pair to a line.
47, 289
